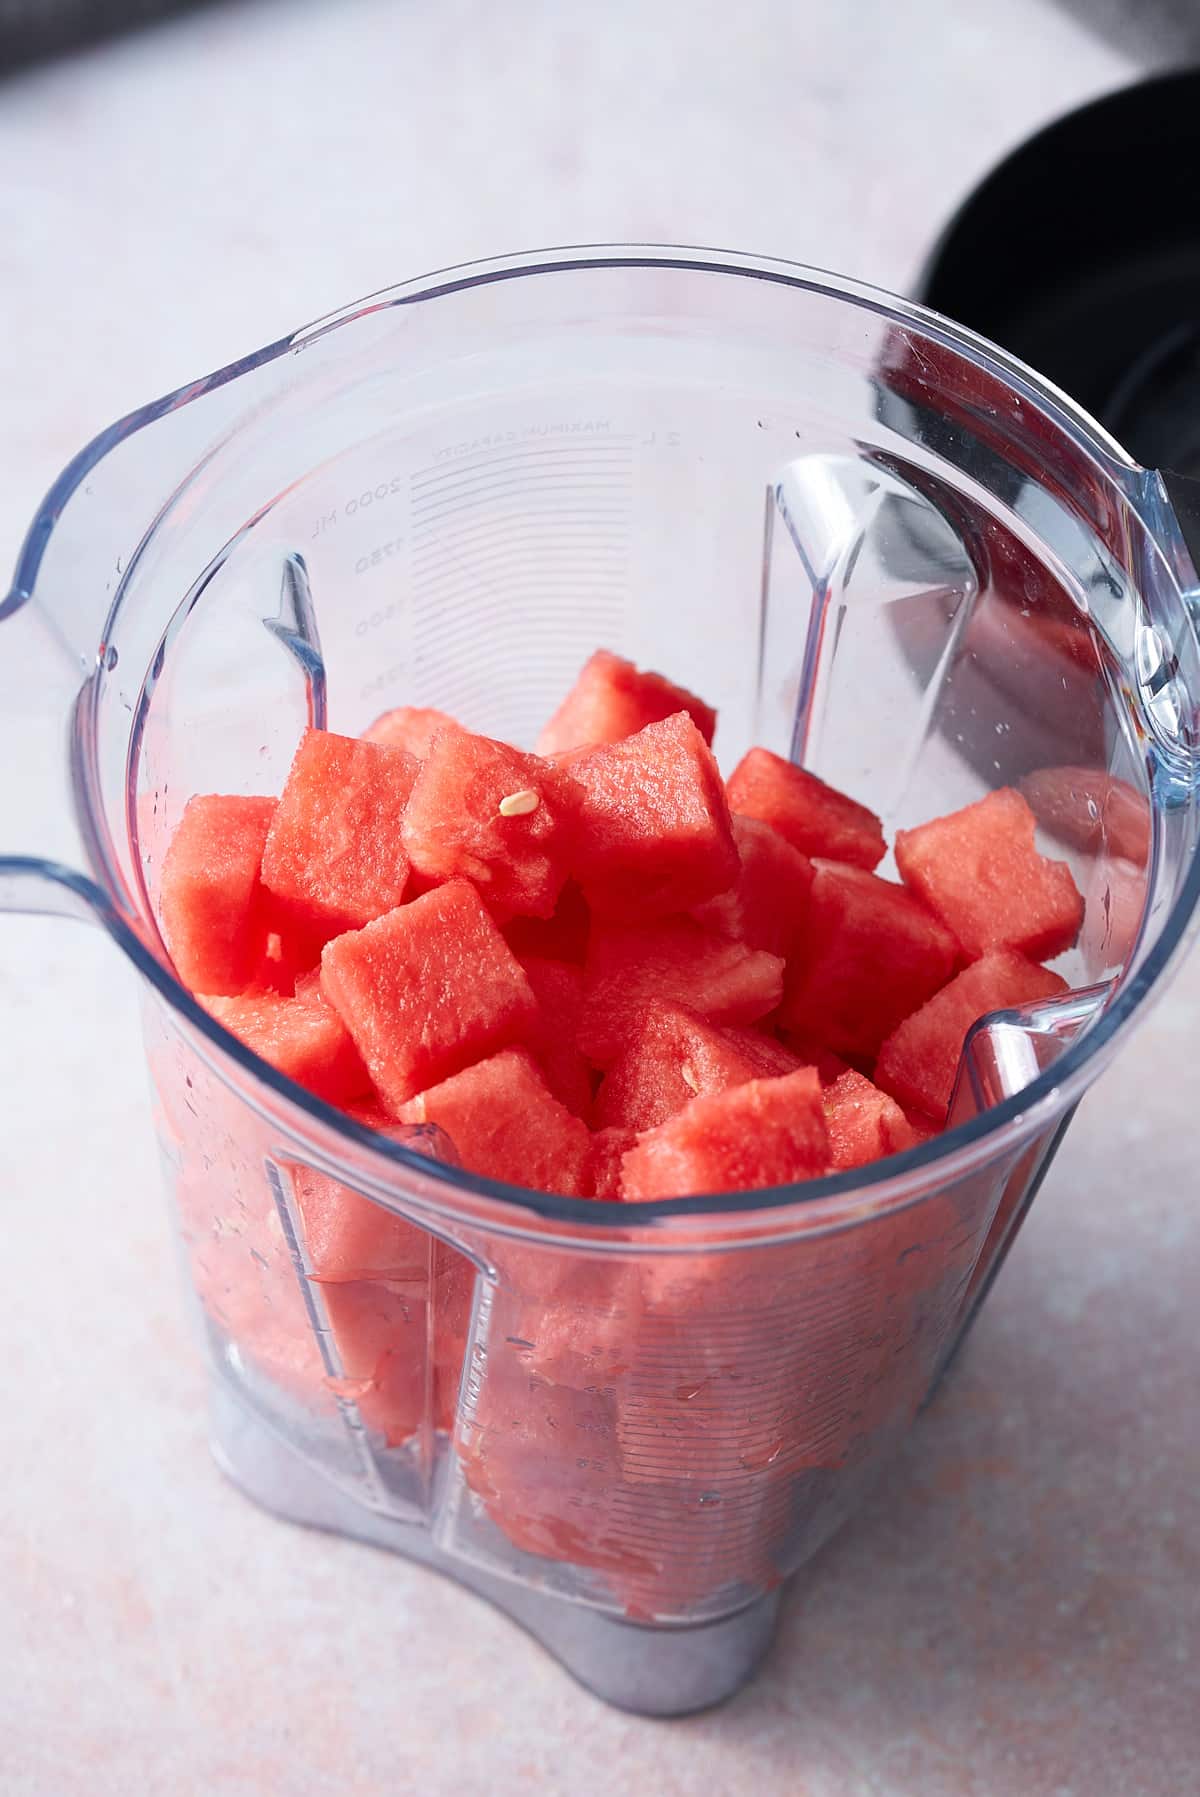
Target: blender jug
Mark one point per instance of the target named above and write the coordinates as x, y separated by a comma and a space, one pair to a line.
878, 546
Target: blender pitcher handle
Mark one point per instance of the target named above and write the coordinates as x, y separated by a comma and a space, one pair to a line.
40, 846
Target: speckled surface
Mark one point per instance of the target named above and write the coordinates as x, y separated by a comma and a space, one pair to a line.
1016, 1612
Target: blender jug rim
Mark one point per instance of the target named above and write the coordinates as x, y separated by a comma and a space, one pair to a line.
897, 1179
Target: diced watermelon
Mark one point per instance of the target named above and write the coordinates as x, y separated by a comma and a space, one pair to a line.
814, 818
980, 871
768, 1132
334, 851
767, 903
553, 1039
409, 727
676, 962
611, 699
609, 1147
871, 953
562, 937
349, 1236
921, 1128
303, 1038
427, 989
505, 1125
1092, 810
864, 1123
378, 1330
210, 890
809, 1053
769, 1057
919, 1061
483, 812
654, 832
669, 1057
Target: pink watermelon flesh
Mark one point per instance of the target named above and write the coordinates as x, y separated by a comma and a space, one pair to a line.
871, 953
409, 727
864, 1124
378, 1335
670, 1056
483, 812
553, 1038
426, 990
611, 699
210, 892
767, 903
813, 817
768, 1132
674, 962
769, 1057
334, 853
505, 1125
1092, 810
303, 1038
350, 1237
810, 1053
654, 833
562, 937
918, 1062
609, 1147
979, 870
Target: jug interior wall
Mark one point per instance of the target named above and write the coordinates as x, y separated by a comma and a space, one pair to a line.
766, 534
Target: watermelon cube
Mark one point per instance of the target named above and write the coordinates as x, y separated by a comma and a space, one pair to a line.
303, 1038
813, 817
210, 892
505, 1125
409, 727
611, 699
864, 1124
810, 1053
870, 954
400, 1342
561, 937
919, 1061
654, 831
980, 871
378, 1332
426, 990
769, 1057
1092, 810
334, 854
669, 1057
348, 1236
483, 812
769, 1132
676, 962
553, 1038
609, 1148
767, 903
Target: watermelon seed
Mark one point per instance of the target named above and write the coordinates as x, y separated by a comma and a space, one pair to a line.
520, 804
687, 1074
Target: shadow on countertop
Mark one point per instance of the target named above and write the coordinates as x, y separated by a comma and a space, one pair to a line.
1154, 34
32, 30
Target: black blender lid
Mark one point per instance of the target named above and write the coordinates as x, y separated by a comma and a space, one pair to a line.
1080, 253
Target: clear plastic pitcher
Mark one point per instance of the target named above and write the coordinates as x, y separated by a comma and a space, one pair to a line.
877, 545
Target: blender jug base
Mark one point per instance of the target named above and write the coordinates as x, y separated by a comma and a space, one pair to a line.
649, 1671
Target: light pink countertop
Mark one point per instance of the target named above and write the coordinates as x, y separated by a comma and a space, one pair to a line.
1016, 1613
